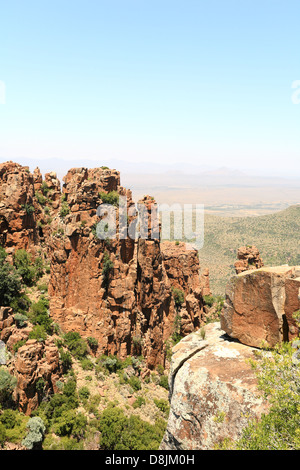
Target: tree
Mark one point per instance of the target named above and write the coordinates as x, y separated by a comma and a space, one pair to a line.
106, 268
10, 284
76, 345
2, 435
178, 295
7, 386
36, 433
121, 433
23, 264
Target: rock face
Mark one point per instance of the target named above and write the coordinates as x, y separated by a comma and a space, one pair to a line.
24, 209
213, 391
259, 306
182, 266
248, 258
35, 365
17, 220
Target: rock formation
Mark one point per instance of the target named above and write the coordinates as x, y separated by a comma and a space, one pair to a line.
131, 308
213, 391
36, 364
259, 306
25, 216
248, 258
37, 369
117, 289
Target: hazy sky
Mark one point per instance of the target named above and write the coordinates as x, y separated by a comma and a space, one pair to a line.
151, 80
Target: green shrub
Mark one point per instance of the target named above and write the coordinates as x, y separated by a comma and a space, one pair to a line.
3, 255
135, 383
106, 268
23, 264
8, 419
84, 393
111, 198
29, 208
21, 320
71, 423
52, 410
178, 297
160, 369
121, 433
7, 386
62, 443
2, 435
92, 342
43, 287
10, 284
45, 188
86, 364
39, 314
20, 303
140, 401
76, 345
39, 333
162, 405
65, 209
66, 360
39, 267
40, 385
69, 389
41, 199
18, 345
163, 382
176, 335
111, 363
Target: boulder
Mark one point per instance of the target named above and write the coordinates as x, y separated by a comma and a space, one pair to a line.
212, 391
259, 306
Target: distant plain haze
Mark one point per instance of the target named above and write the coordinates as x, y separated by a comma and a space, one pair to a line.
160, 87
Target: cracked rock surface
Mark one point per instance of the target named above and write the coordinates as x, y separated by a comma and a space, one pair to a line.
213, 391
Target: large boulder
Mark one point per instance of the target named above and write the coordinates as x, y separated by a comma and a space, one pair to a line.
213, 391
259, 306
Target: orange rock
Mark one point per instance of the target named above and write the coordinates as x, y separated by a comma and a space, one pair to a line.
258, 306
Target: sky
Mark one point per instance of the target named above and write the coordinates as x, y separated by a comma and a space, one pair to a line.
155, 81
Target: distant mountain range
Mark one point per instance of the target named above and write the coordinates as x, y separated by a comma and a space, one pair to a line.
190, 183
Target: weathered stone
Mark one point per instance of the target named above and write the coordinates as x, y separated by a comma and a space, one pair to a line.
248, 258
35, 361
256, 305
213, 391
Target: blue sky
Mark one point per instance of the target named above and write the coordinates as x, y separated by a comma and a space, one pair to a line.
200, 82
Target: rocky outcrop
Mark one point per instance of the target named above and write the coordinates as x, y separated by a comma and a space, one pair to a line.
36, 365
37, 369
213, 391
17, 220
248, 258
27, 204
116, 288
260, 304
181, 262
